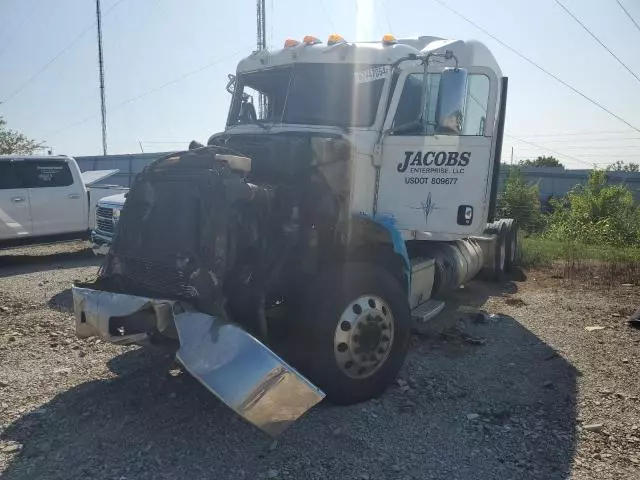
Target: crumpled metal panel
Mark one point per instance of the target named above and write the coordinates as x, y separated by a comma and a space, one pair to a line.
237, 368
94, 308
243, 373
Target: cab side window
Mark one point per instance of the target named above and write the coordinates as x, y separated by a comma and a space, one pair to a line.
46, 173
9, 178
475, 114
408, 110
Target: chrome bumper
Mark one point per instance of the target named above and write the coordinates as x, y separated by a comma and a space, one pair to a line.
242, 372
100, 243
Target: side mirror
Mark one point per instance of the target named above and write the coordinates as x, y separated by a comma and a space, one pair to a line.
231, 83
452, 93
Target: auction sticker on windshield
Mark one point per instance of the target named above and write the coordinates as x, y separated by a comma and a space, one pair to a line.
372, 74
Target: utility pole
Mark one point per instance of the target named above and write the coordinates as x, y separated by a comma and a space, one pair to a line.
511, 155
103, 108
262, 45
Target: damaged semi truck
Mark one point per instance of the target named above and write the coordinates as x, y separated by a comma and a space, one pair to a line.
352, 186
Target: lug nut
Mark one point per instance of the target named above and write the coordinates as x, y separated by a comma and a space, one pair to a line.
348, 364
345, 326
357, 309
372, 303
343, 347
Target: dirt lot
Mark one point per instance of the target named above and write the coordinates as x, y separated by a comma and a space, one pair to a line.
528, 394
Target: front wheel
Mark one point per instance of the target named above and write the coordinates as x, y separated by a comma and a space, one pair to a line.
354, 328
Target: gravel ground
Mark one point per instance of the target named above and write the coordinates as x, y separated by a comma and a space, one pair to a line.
526, 394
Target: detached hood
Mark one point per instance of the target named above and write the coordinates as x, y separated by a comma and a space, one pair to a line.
94, 176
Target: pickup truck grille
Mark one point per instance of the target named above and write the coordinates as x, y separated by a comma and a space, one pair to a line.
104, 212
104, 220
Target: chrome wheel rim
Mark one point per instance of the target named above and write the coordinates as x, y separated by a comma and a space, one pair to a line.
363, 336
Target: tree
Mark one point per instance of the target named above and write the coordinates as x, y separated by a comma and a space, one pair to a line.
620, 166
597, 213
12, 142
521, 201
542, 161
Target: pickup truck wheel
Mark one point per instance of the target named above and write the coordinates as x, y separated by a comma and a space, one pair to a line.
355, 331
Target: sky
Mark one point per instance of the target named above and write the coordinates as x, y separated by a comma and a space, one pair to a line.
166, 66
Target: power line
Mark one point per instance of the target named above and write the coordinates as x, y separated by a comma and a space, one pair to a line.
590, 140
326, 14
527, 59
386, 15
148, 92
58, 55
628, 14
593, 35
569, 134
600, 147
548, 149
17, 29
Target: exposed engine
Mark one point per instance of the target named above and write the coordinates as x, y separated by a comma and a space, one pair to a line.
229, 227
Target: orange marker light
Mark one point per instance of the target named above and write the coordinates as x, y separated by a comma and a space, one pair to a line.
311, 40
291, 43
389, 39
334, 39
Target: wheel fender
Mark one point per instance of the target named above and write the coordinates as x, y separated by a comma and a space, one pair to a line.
399, 246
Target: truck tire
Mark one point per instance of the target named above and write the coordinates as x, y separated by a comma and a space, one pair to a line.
511, 244
354, 326
500, 253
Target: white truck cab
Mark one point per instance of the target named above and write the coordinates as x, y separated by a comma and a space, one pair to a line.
351, 188
46, 198
422, 155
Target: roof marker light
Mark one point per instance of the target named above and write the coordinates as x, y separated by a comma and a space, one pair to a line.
290, 42
335, 39
311, 40
389, 39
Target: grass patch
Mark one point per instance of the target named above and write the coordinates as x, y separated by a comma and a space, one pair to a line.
540, 252
600, 265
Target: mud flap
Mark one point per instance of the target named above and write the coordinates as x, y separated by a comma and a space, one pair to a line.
243, 373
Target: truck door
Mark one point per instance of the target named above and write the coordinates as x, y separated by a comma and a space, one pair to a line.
15, 215
435, 179
57, 197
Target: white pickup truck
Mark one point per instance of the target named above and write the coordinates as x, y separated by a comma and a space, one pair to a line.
44, 199
107, 216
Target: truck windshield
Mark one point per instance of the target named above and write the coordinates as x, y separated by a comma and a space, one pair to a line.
310, 93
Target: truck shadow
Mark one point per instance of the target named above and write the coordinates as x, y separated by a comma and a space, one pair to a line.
23, 263
505, 408
62, 301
